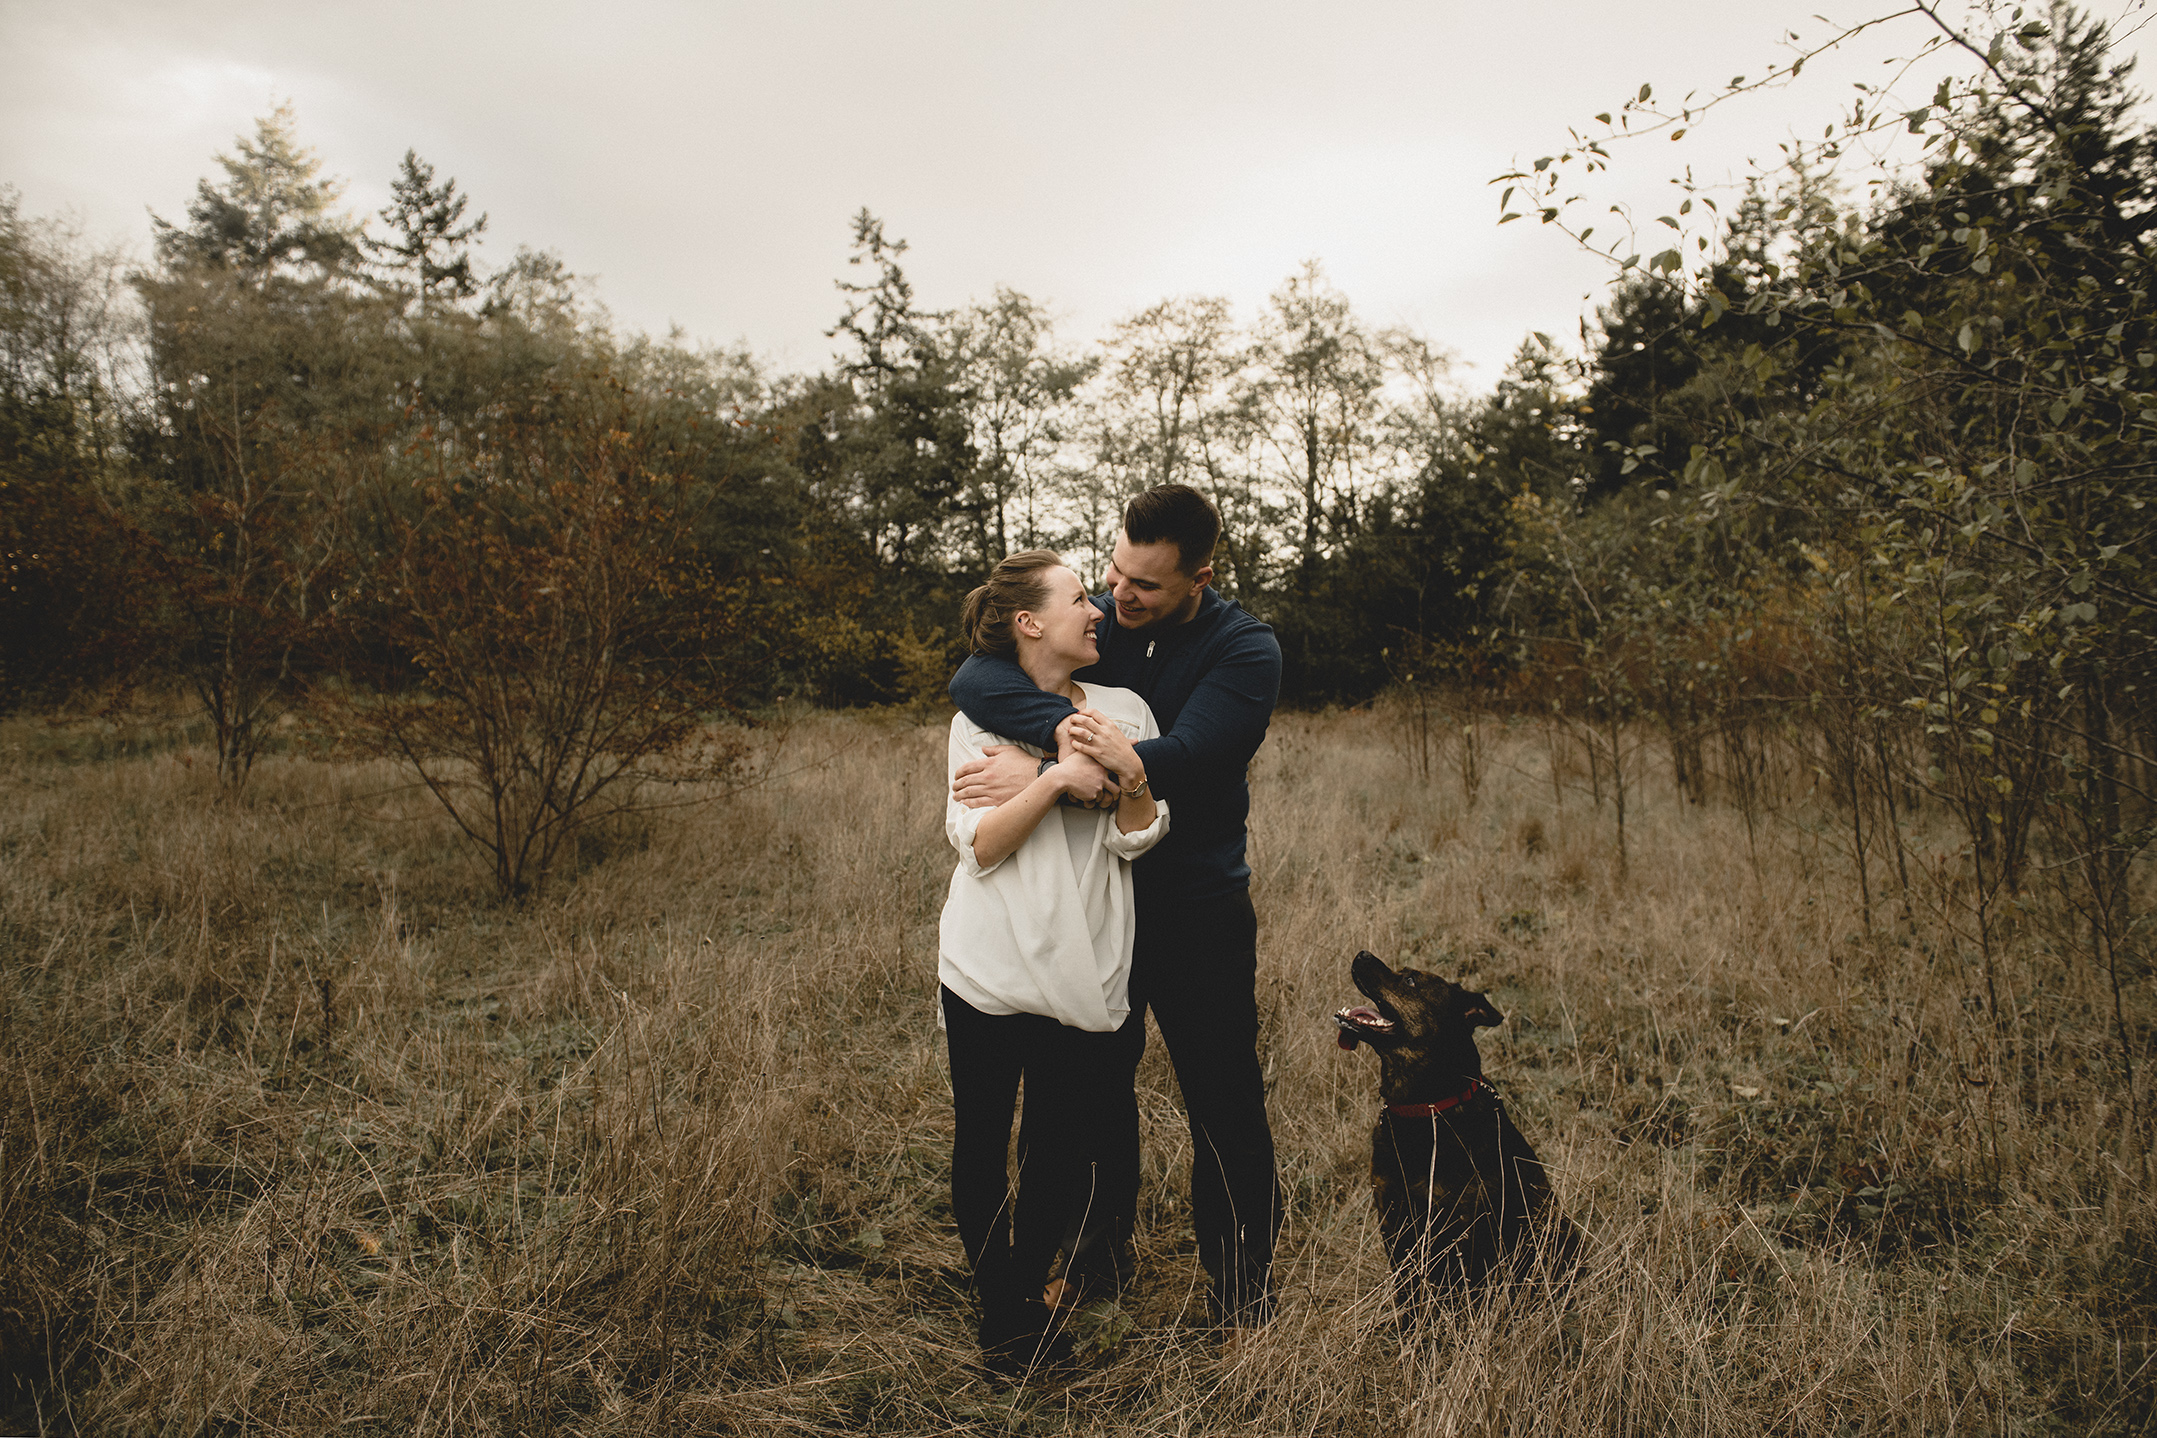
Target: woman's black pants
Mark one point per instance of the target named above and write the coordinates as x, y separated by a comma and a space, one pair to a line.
1012, 1232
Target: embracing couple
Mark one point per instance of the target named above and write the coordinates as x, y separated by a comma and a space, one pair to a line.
1098, 805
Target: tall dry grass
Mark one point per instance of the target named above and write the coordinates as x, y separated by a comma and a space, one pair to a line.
298, 1135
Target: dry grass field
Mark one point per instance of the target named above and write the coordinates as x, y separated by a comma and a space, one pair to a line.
300, 1135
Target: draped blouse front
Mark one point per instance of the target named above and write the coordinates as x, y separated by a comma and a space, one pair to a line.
1048, 928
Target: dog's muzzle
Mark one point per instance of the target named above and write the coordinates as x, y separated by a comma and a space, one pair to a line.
1360, 1024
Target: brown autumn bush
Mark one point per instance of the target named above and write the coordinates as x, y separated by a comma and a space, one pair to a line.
553, 638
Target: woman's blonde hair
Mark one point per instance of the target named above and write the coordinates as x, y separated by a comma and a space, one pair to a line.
1019, 581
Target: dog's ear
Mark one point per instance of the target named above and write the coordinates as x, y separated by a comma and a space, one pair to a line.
1478, 1011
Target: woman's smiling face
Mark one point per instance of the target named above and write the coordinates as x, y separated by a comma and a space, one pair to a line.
1067, 619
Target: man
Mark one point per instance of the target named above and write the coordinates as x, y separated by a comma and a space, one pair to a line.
1211, 674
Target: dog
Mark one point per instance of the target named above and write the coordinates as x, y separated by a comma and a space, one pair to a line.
1460, 1193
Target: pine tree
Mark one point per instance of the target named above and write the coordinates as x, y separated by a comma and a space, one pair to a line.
428, 244
272, 212
904, 453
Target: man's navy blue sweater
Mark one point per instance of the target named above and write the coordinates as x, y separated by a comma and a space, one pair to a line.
1211, 683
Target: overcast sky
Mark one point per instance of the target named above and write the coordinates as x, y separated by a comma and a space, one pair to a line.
702, 160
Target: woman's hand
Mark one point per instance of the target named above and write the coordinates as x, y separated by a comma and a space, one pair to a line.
1096, 736
1084, 782
1005, 827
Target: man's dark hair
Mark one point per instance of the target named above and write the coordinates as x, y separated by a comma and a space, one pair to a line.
1178, 514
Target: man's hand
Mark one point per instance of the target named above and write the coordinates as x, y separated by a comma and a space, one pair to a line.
985, 783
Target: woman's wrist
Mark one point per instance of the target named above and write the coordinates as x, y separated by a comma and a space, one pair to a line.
1064, 777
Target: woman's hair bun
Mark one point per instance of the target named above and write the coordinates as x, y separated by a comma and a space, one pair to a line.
1018, 582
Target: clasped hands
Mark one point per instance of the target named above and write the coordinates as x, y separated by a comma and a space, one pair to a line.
1087, 744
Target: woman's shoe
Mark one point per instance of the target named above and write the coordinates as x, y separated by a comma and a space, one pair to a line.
1023, 1339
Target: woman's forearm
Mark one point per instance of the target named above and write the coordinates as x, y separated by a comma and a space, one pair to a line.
1133, 815
1096, 736
1007, 826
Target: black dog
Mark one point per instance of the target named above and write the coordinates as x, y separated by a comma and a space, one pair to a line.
1459, 1191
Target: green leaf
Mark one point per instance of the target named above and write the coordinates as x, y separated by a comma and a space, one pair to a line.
1645, 91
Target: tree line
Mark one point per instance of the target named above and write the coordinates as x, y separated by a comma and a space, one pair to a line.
1862, 481
278, 365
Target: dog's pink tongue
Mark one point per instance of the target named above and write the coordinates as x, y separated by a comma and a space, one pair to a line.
1348, 1038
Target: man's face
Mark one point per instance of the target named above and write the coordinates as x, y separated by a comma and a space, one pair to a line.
1149, 586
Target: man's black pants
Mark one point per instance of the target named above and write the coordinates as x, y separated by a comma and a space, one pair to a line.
1195, 965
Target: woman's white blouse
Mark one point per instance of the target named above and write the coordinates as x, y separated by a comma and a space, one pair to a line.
1048, 928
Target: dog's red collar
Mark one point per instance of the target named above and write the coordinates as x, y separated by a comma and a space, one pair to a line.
1432, 1110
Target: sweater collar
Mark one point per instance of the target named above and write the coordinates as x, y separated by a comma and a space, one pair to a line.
1211, 606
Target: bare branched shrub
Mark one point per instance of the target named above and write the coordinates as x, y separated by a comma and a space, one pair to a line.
566, 644
1440, 708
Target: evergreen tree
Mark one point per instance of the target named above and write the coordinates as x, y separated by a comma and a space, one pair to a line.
272, 214
904, 453
429, 243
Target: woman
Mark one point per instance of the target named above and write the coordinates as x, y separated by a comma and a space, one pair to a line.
1035, 951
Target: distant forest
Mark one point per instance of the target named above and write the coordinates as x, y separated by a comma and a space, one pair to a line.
1870, 476
222, 459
